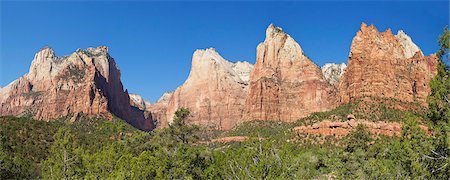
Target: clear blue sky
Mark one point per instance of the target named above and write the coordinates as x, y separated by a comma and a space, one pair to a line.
153, 42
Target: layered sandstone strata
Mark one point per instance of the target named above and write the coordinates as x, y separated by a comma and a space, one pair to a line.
85, 82
384, 65
285, 84
214, 92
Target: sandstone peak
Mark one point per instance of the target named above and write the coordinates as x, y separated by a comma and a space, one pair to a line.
165, 97
284, 84
46, 53
409, 47
368, 29
273, 30
139, 102
214, 92
87, 82
207, 54
243, 70
206, 62
384, 65
333, 72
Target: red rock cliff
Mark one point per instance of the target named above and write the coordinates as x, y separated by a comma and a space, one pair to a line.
87, 82
214, 92
285, 84
384, 65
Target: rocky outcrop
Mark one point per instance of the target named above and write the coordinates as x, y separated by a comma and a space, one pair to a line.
409, 48
384, 65
137, 101
85, 82
340, 129
285, 84
333, 72
214, 92
159, 110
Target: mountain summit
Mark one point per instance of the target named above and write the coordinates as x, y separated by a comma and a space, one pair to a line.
86, 82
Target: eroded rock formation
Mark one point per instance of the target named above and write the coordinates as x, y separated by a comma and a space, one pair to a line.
214, 92
333, 72
85, 82
159, 110
384, 65
136, 100
340, 129
285, 84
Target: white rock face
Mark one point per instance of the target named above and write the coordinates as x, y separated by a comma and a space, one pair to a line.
165, 97
332, 72
214, 92
239, 71
243, 69
409, 47
137, 100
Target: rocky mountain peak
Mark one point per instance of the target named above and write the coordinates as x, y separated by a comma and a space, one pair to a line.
45, 54
165, 97
214, 92
243, 70
384, 65
207, 62
368, 29
272, 31
87, 82
409, 47
283, 76
136, 100
332, 72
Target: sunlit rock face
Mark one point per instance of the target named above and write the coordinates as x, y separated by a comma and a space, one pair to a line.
136, 100
214, 92
384, 65
332, 72
85, 82
285, 84
159, 110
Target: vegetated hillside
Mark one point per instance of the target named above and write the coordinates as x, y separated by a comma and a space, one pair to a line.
26, 142
97, 148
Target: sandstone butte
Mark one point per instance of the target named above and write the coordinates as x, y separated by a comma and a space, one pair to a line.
86, 82
384, 65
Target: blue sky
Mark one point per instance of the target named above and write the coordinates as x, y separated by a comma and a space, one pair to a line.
152, 42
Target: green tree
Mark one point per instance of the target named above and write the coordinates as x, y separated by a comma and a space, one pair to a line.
64, 161
179, 131
439, 111
358, 139
414, 146
439, 98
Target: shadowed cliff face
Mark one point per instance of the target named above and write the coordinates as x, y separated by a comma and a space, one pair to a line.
86, 82
285, 84
384, 65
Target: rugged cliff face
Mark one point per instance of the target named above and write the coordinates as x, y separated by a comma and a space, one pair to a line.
384, 65
333, 72
159, 110
136, 100
285, 84
86, 82
214, 92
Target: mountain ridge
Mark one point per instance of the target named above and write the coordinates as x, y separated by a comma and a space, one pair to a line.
283, 85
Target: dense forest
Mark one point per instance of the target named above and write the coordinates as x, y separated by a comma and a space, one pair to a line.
94, 148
